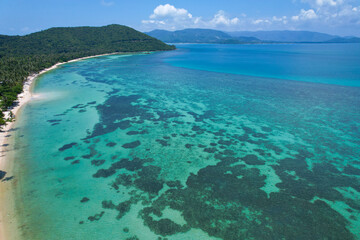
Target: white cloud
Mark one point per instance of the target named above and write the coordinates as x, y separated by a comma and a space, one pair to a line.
167, 10
169, 17
261, 21
106, 4
282, 19
324, 3
220, 18
153, 22
305, 15
328, 2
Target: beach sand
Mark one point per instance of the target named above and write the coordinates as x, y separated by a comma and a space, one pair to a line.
9, 229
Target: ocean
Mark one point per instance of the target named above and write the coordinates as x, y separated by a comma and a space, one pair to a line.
205, 142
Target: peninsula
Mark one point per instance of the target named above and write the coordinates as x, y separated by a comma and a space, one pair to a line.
22, 56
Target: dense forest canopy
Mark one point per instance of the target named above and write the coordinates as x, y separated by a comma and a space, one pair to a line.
21, 56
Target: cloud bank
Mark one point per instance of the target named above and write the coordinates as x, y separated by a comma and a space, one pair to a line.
169, 17
320, 14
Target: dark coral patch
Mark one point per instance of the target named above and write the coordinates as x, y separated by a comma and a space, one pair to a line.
104, 173
92, 153
132, 238
84, 200
162, 142
266, 129
113, 112
136, 132
252, 159
260, 151
259, 135
132, 144
54, 120
75, 162
133, 165
2, 174
213, 198
228, 152
79, 106
122, 207
188, 145
210, 150
219, 133
8, 179
201, 117
67, 146
96, 217
132, 133
111, 144
122, 179
163, 227
320, 181
148, 180
174, 184
225, 142
198, 130
97, 162
351, 170
166, 115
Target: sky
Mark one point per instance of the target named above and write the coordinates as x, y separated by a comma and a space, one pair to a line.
338, 17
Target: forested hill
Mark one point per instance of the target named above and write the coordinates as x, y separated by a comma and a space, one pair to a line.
20, 56
85, 40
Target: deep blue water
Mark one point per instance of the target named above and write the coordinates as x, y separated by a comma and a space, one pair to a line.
319, 63
193, 144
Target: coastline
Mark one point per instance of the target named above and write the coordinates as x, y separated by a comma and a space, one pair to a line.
8, 224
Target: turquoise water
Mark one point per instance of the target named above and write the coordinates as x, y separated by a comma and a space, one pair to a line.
319, 63
147, 147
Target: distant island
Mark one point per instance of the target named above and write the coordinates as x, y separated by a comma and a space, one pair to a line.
21, 56
193, 35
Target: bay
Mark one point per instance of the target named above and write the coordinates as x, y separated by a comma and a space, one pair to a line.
206, 142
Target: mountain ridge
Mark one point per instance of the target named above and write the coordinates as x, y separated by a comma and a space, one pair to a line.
195, 35
198, 35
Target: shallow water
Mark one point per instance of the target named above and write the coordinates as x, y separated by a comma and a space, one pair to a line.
135, 147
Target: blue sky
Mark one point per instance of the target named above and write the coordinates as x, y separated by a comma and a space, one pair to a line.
341, 17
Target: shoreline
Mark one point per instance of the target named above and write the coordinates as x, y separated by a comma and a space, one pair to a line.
8, 224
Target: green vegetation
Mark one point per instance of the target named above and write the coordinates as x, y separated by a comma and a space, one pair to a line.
21, 56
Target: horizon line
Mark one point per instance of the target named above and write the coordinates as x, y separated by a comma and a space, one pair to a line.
283, 30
